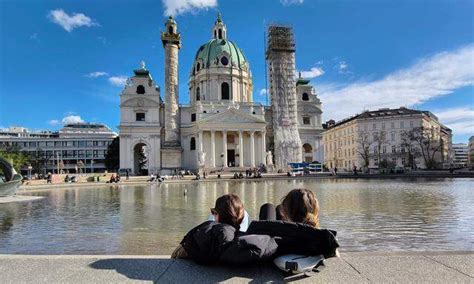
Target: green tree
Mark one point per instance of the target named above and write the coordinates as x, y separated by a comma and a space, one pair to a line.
112, 157
13, 154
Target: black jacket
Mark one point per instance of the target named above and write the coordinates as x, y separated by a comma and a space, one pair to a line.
213, 242
297, 238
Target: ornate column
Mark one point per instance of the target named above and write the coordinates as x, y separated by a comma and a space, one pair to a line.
224, 147
241, 149
252, 149
213, 148
264, 148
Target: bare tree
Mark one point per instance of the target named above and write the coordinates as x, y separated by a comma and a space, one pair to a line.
409, 150
380, 138
427, 143
363, 148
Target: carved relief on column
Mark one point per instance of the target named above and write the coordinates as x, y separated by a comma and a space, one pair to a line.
171, 94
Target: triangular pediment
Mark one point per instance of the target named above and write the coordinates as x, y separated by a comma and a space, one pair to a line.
141, 101
232, 115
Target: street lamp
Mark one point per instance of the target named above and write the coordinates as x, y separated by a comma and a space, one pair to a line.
29, 172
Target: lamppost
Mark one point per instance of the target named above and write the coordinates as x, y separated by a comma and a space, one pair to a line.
29, 172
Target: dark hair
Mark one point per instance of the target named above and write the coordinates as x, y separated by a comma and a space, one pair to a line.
230, 209
301, 206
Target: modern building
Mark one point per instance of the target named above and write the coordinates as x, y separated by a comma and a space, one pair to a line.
471, 152
388, 136
222, 127
460, 153
79, 147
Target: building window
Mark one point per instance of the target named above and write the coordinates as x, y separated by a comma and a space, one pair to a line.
198, 94
140, 90
193, 117
140, 116
393, 136
305, 97
225, 91
192, 144
402, 124
383, 125
374, 126
411, 123
306, 120
198, 66
220, 34
392, 124
394, 149
224, 61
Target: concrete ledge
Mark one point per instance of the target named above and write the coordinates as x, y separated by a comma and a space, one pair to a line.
19, 198
437, 267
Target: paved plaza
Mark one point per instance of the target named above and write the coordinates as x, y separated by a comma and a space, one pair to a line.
350, 268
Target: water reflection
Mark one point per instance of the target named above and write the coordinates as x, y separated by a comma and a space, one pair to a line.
418, 214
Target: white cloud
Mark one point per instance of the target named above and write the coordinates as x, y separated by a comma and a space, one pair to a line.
428, 78
460, 120
342, 67
263, 92
118, 81
176, 7
96, 74
312, 73
53, 122
291, 2
72, 119
69, 22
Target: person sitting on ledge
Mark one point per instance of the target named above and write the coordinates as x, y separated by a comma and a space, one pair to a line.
297, 232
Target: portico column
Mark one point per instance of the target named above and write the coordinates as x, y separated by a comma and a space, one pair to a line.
241, 149
264, 148
224, 147
200, 140
252, 149
213, 148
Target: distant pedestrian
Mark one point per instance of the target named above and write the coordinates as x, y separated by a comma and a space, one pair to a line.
335, 171
127, 175
49, 178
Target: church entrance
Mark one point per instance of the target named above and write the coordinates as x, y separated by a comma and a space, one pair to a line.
231, 158
140, 160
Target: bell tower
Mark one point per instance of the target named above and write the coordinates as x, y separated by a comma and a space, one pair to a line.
171, 150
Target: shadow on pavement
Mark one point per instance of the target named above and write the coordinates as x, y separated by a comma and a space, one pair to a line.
132, 268
181, 271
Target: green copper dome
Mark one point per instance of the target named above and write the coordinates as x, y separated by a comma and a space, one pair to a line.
212, 53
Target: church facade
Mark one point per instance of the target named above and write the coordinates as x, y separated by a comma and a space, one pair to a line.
222, 127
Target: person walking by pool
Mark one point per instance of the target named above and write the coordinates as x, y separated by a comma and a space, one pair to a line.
335, 171
127, 175
49, 178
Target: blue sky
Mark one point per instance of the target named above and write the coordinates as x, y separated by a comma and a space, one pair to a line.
65, 60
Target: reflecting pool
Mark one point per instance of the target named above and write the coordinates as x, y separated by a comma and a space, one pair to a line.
369, 215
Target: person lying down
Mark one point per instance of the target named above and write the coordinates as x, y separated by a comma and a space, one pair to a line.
291, 228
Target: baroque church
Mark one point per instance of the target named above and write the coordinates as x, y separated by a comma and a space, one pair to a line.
222, 127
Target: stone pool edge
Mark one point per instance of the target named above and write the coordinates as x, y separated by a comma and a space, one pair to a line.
429, 266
